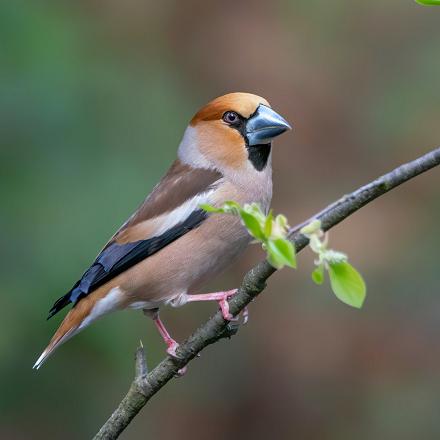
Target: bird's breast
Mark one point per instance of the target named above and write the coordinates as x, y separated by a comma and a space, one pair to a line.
196, 257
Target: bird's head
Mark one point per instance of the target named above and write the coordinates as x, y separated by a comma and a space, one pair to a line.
232, 131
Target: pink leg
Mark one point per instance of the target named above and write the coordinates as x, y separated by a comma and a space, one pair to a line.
220, 297
171, 343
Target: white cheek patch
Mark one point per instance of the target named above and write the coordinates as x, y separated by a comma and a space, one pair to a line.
189, 152
105, 305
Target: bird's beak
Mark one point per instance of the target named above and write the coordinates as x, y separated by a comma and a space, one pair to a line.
264, 125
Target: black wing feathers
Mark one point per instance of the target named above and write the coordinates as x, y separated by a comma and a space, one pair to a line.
117, 258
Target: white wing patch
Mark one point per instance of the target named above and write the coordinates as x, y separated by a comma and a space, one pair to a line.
179, 215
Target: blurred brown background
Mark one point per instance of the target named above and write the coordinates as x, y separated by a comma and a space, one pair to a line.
95, 96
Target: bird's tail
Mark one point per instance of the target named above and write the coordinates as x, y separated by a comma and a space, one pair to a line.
73, 323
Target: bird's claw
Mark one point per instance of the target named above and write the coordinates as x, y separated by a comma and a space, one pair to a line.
171, 350
181, 372
172, 347
224, 305
244, 316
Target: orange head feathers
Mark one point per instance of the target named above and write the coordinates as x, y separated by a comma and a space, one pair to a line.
231, 131
245, 104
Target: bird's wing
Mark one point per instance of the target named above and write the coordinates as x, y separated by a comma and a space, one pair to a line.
170, 211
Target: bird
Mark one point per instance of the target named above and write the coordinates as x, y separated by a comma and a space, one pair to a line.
165, 252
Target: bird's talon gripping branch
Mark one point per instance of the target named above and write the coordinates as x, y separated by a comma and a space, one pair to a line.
220, 297
181, 372
224, 307
171, 350
171, 344
172, 347
245, 315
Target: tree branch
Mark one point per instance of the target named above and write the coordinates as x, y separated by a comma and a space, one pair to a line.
146, 385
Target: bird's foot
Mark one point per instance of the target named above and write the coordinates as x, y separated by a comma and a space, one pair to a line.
172, 347
171, 350
224, 304
244, 316
220, 297
181, 371
169, 341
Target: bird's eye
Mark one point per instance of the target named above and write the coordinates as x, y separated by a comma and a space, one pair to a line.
231, 117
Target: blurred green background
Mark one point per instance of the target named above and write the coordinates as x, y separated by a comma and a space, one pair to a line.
95, 96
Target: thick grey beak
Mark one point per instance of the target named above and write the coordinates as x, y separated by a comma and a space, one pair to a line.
264, 125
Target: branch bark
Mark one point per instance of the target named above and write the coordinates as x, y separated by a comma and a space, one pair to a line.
146, 385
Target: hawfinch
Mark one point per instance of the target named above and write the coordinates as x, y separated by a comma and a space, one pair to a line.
169, 247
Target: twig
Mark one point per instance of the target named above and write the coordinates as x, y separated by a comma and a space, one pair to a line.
145, 386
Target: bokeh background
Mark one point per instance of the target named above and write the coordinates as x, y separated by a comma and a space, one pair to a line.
95, 96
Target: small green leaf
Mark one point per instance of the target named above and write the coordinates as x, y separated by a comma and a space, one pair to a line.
316, 244
268, 224
209, 208
279, 227
274, 260
252, 208
347, 284
255, 210
312, 228
231, 207
230, 204
428, 2
333, 257
252, 225
281, 252
318, 274
281, 222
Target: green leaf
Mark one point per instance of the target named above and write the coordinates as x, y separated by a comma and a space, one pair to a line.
428, 2
281, 252
231, 206
333, 257
311, 228
281, 222
279, 227
209, 208
347, 284
318, 274
268, 224
252, 225
275, 260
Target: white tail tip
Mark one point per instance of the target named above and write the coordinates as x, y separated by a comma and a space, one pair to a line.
40, 360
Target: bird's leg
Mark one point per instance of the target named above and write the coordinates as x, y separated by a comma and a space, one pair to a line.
220, 297
171, 343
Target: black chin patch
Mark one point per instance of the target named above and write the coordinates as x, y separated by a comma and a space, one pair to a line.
259, 155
